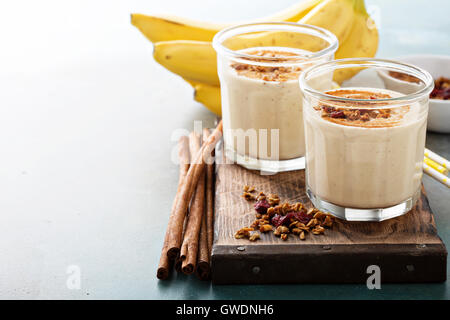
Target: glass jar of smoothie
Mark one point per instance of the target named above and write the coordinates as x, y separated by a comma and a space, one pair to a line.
365, 139
258, 66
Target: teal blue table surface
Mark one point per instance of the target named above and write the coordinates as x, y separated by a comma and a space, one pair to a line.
88, 124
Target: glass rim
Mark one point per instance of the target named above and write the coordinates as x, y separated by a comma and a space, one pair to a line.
241, 29
393, 65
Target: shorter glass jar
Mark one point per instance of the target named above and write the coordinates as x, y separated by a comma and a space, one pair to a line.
258, 66
365, 140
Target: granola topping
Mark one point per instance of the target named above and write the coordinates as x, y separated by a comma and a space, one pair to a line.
361, 114
269, 73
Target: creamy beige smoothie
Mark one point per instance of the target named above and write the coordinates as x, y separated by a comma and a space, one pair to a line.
367, 157
264, 97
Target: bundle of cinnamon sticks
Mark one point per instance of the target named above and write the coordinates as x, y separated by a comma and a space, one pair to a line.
189, 235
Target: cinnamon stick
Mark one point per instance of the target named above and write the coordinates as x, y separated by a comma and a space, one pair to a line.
177, 265
210, 189
206, 232
190, 245
187, 190
203, 270
183, 155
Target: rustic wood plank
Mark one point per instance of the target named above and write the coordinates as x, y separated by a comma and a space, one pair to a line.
407, 248
404, 263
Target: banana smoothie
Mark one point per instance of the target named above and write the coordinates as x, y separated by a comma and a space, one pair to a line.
264, 98
258, 66
368, 155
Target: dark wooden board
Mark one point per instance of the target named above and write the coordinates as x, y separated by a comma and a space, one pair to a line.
407, 248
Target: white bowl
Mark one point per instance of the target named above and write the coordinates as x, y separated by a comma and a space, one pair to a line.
437, 66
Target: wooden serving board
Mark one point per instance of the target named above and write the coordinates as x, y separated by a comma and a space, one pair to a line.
407, 248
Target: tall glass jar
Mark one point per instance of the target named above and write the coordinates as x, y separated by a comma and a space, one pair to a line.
365, 140
258, 66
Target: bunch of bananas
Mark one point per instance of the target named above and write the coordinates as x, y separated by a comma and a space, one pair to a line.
184, 46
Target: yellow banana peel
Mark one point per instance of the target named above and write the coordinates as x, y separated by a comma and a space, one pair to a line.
362, 42
291, 14
334, 15
193, 60
166, 28
209, 96
196, 60
276, 39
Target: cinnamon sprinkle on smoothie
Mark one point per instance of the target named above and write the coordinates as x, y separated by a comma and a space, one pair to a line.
269, 73
368, 116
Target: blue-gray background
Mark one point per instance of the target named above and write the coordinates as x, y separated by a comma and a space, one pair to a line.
86, 124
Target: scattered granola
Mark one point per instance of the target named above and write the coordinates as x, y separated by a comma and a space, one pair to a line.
265, 228
273, 199
261, 206
254, 236
248, 196
243, 233
261, 196
249, 189
287, 218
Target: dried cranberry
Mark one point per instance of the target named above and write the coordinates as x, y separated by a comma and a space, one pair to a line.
302, 216
261, 206
444, 94
434, 92
328, 109
337, 114
278, 220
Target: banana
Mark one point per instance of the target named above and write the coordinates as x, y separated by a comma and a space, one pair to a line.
292, 13
276, 39
196, 62
193, 60
362, 41
209, 96
165, 28
334, 15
